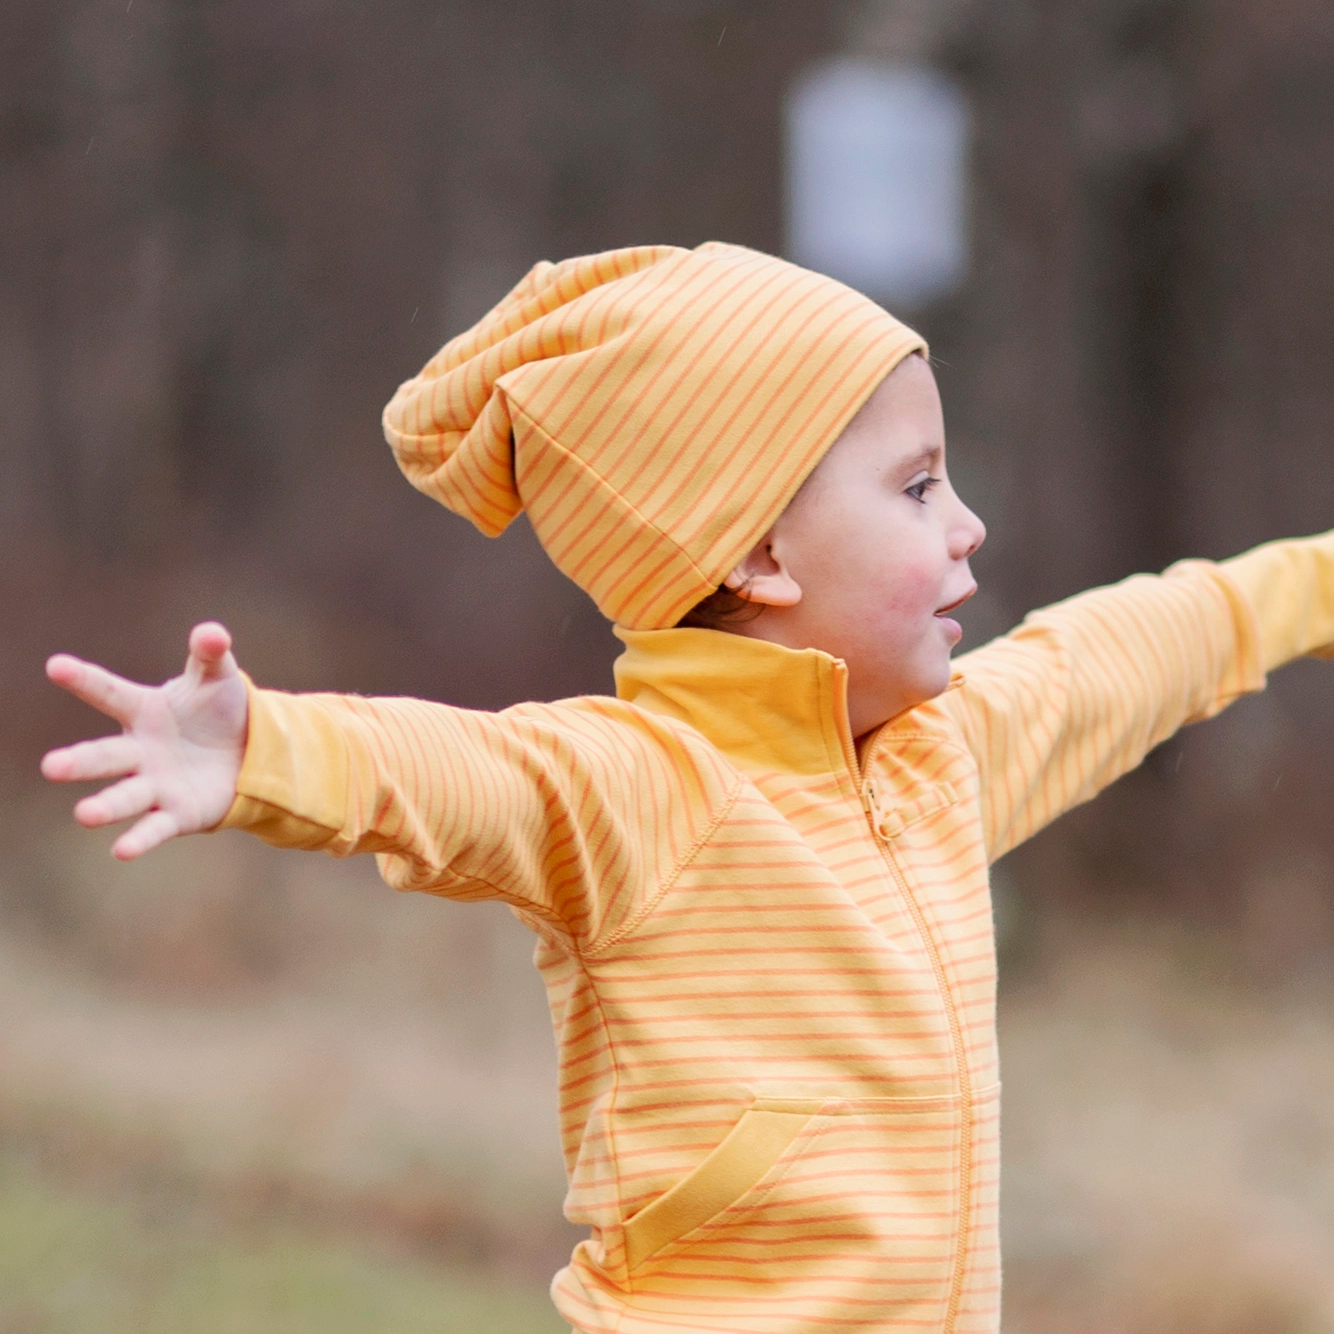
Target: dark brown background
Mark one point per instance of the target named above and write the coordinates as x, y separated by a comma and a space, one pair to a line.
230, 229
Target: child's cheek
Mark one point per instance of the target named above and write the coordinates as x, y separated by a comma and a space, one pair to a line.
914, 588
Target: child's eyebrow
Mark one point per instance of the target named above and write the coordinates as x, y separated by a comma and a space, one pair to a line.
928, 454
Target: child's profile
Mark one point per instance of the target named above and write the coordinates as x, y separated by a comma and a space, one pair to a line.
758, 874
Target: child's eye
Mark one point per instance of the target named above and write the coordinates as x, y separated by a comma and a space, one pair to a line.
918, 490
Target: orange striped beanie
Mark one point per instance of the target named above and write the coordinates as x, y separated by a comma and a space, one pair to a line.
652, 409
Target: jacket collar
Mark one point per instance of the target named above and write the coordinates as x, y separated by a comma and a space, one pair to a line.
766, 707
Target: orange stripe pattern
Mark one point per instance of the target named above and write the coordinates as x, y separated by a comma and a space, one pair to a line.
769, 952
652, 409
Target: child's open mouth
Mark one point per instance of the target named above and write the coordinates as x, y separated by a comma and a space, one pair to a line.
958, 602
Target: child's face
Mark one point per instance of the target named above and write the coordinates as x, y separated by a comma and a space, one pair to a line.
871, 552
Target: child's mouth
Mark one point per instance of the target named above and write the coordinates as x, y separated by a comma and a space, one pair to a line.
958, 602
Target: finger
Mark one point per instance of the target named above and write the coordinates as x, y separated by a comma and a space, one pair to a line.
120, 801
105, 691
210, 650
107, 757
153, 830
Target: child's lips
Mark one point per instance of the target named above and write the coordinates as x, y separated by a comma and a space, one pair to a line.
958, 602
952, 628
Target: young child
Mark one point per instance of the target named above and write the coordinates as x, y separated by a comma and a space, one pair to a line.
758, 876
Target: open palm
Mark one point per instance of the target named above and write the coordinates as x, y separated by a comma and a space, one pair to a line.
179, 753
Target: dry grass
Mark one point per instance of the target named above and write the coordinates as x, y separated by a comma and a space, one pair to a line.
276, 1046
1168, 1140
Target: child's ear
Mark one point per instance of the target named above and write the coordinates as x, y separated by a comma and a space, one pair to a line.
763, 576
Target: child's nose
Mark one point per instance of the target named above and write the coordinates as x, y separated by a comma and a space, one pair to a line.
968, 534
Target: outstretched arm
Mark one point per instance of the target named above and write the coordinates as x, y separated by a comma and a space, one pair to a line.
571, 813
1080, 692
179, 752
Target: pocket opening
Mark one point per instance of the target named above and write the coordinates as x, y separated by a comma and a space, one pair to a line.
751, 1148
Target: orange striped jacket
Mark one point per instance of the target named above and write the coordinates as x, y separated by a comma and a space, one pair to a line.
769, 949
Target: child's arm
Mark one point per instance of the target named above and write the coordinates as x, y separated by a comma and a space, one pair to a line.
1290, 587
1082, 691
178, 755
575, 814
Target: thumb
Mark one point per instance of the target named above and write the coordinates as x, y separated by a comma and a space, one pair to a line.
210, 651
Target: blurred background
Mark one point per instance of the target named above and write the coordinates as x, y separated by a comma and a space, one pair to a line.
245, 1091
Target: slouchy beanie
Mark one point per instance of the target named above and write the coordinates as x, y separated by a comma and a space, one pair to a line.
653, 410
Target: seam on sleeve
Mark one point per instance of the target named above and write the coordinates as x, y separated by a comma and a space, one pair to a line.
1021, 822
1246, 623
246, 813
628, 927
345, 746
449, 879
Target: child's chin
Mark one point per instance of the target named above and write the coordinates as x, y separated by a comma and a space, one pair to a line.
935, 679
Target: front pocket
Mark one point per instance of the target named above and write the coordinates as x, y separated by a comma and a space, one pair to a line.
866, 1187
808, 1211
767, 1129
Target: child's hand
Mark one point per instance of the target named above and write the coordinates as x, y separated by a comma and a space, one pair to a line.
178, 755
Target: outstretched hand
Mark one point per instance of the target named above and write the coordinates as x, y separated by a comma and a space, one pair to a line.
179, 753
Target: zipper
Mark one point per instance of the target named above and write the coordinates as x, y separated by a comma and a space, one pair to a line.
961, 1064
866, 791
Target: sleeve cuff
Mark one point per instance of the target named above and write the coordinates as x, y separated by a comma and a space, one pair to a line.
293, 785
1290, 587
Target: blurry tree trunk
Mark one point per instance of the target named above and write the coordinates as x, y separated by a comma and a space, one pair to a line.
232, 230
1146, 349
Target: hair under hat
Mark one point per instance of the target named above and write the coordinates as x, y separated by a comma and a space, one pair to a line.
652, 409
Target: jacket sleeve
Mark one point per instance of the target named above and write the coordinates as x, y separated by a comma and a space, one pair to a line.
571, 813
1082, 691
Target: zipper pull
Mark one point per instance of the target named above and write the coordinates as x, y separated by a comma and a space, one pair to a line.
868, 801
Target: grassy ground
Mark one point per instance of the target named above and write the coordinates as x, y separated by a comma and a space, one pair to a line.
214, 1063
71, 1263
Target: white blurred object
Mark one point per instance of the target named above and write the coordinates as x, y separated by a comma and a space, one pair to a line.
877, 169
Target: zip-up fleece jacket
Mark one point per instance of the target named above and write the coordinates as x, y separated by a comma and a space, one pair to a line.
768, 949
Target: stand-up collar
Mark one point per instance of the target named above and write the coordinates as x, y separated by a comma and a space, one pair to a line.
765, 706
